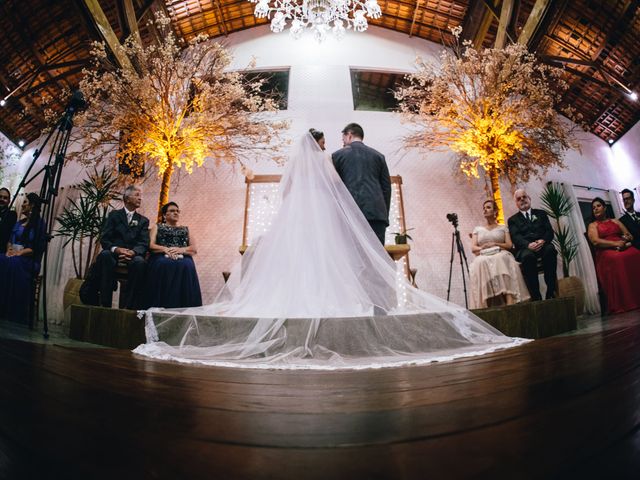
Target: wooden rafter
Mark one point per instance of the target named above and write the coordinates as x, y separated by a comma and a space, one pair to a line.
106, 32
540, 8
131, 21
486, 18
415, 16
506, 15
222, 20
51, 81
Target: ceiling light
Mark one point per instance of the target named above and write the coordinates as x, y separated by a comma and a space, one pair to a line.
633, 96
21, 143
3, 102
610, 141
320, 16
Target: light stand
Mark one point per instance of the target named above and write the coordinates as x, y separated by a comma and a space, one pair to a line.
455, 242
52, 171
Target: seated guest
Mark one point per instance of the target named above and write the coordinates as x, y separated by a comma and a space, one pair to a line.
8, 219
617, 262
496, 278
125, 241
532, 234
21, 265
631, 218
172, 280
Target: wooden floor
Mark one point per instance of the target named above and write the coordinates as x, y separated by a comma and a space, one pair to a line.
563, 407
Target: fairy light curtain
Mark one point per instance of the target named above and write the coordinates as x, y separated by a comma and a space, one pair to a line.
262, 202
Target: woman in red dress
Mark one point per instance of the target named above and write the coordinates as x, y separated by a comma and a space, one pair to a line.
617, 262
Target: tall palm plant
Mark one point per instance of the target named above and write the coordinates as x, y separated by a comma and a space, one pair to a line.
557, 205
81, 221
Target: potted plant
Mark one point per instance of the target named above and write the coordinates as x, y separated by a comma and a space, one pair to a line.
80, 223
558, 206
402, 236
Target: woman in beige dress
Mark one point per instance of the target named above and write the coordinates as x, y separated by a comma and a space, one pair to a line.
496, 278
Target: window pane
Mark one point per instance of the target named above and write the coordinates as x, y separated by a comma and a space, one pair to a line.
374, 90
276, 84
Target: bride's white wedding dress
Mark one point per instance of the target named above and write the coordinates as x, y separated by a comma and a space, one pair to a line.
318, 290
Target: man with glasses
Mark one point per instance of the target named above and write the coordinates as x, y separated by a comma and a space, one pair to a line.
532, 235
631, 218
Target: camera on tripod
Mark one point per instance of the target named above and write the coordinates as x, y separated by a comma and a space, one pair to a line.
456, 245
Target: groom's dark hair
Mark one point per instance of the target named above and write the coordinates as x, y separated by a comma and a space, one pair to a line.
354, 129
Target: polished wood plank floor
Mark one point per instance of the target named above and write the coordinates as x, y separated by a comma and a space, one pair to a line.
563, 407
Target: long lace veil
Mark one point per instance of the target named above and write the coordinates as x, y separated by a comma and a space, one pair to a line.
318, 290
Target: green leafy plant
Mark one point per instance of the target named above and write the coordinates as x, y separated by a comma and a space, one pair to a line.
81, 221
557, 205
402, 236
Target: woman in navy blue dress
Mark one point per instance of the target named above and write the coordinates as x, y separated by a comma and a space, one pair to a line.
21, 264
172, 280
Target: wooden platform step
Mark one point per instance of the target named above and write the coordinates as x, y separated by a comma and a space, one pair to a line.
540, 319
123, 329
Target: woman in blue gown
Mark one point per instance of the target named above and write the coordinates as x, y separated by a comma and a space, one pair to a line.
172, 280
21, 265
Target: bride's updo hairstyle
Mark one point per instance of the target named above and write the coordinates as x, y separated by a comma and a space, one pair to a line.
316, 134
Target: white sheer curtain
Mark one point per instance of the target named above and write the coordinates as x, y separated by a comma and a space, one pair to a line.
59, 263
582, 266
616, 203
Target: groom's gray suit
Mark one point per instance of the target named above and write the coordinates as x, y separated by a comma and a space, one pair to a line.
365, 173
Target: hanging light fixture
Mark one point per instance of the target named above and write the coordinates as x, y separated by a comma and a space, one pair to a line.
320, 16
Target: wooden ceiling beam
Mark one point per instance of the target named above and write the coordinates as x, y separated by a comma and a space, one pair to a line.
563, 60
506, 16
488, 15
537, 15
222, 20
130, 20
100, 21
415, 16
29, 42
146, 8
52, 80
553, 15
33, 114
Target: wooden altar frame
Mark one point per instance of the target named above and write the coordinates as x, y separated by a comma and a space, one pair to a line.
395, 251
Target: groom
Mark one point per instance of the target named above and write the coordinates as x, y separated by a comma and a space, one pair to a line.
364, 172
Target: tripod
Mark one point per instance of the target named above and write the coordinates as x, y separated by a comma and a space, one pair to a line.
52, 171
455, 241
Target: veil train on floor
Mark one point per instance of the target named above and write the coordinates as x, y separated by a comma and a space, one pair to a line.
318, 291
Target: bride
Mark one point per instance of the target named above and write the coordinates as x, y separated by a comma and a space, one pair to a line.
318, 290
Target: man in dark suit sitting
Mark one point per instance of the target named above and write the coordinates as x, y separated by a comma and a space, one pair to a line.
631, 218
364, 172
125, 240
532, 235
8, 219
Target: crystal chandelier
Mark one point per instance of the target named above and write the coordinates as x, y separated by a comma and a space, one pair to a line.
321, 16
